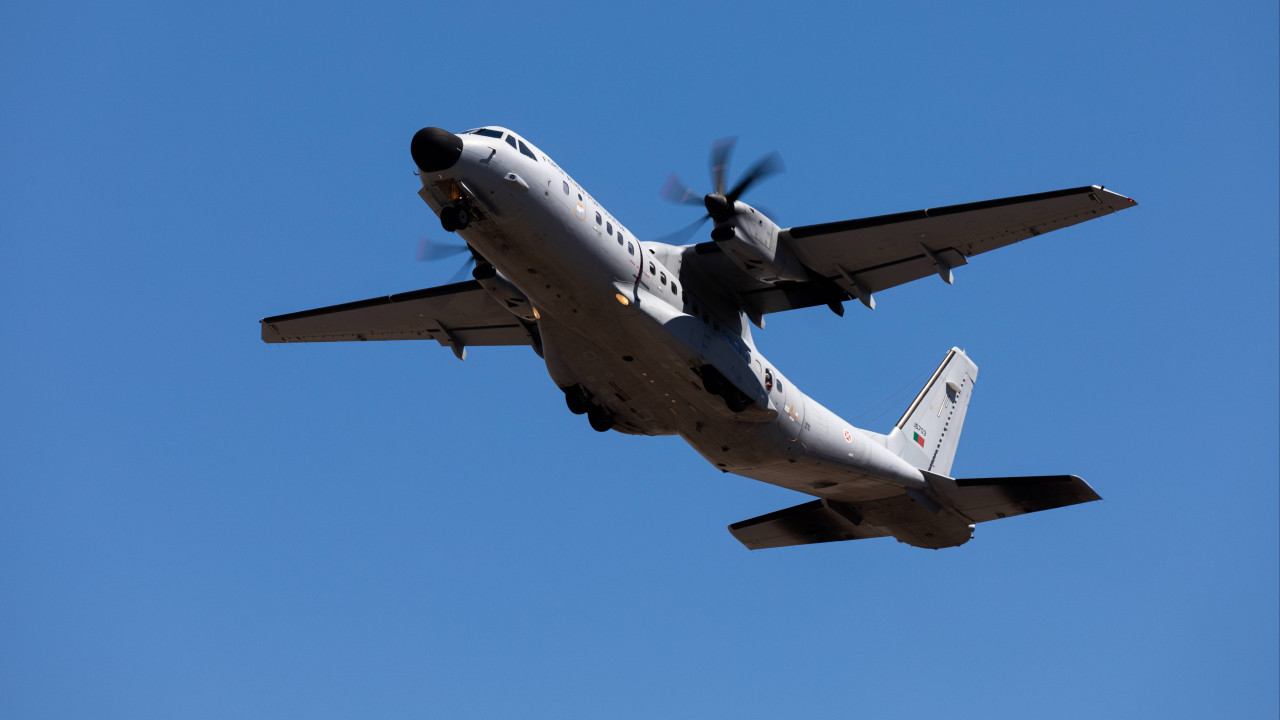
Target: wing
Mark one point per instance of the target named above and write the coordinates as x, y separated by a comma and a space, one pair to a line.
856, 258
455, 315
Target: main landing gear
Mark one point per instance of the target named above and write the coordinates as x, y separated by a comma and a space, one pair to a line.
455, 217
717, 384
601, 420
579, 404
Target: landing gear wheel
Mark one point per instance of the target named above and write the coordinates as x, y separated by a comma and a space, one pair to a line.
454, 218
713, 381
600, 419
448, 218
576, 400
736, 401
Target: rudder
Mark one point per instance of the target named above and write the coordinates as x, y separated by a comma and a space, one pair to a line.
929, 431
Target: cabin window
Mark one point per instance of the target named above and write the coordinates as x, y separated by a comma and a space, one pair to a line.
599, 219
511, 140
779, 386
524, 150
486, 132
675, 289
619, 236
651, 270
662, 277
631, 249
768, 379
566, 186
608, 227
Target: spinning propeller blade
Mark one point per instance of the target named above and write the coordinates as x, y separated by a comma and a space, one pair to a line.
681, 236
770, 164
679, 193
431, 251
720, 152
718, 203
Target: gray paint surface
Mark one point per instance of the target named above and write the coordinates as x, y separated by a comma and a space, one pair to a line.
655, 339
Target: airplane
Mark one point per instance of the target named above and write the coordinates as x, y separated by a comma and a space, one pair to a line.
652, 338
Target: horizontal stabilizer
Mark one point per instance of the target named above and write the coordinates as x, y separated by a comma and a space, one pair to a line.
813, 522
919, 520
983, 499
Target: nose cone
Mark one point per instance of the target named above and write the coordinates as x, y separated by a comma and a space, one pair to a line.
435, 149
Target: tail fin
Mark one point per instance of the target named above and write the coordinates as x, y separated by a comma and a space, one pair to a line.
929, 431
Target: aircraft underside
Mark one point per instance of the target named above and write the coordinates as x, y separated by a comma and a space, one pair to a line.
653, 339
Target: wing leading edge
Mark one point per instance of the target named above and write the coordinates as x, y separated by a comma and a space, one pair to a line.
456, 316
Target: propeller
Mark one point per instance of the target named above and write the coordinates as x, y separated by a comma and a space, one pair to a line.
431, 251
720, 203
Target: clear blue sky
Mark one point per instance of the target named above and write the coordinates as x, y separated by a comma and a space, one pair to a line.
194, 524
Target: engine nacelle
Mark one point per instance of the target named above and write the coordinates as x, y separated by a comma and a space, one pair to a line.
751, 240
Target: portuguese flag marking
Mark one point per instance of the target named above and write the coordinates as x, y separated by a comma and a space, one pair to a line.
919, 440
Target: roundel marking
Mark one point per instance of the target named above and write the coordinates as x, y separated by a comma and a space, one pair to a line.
848, 435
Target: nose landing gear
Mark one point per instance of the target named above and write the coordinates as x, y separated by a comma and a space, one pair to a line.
455, 217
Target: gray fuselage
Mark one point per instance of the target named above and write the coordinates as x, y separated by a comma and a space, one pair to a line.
622, 320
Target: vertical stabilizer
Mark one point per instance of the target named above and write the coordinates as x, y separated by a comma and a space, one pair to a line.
929, 430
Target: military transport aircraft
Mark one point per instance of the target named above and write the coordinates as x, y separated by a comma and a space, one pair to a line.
652, 338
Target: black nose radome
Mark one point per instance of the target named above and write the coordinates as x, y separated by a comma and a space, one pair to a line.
435, 149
